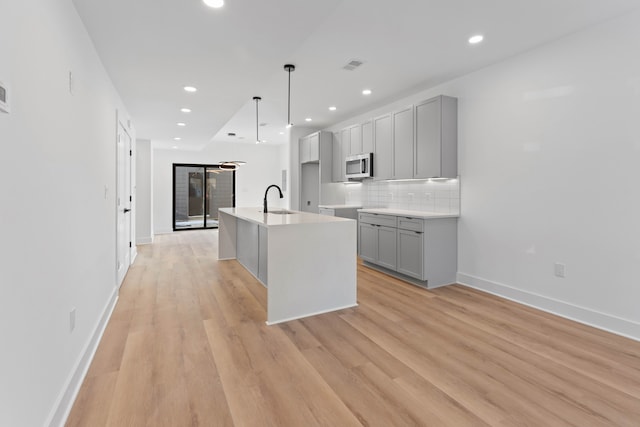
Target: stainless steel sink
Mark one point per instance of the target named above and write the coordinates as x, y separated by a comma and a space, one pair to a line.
280, 212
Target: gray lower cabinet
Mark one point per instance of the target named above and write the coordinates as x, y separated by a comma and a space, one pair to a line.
411, 253
387, 242
368, 244
417, 248
247, 245
262, 254
377, 239
251, 248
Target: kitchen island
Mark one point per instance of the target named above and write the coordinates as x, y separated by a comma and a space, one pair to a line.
307, 261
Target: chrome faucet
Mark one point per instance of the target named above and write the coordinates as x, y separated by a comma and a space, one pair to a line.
264, 207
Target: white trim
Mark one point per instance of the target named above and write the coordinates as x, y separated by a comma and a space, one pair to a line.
624, 327
331, 310
67, 397
163, 232
144, 240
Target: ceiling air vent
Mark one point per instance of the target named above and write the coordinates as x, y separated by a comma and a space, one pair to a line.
352, 65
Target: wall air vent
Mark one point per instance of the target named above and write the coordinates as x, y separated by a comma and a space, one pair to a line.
352, 65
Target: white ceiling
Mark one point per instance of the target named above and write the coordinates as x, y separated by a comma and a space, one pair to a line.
152, 48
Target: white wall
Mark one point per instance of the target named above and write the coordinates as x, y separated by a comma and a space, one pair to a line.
549, 155
57, 244
264, 167
144, 191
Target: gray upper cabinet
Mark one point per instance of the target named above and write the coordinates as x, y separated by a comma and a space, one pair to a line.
345, 145
366, 132
337, 162
383, 143
436, 138
355, 145
310, 148
403, 143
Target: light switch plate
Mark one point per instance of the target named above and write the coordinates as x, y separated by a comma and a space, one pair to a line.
4, 98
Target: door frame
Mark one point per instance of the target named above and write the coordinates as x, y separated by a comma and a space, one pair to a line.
124, 164
173, 193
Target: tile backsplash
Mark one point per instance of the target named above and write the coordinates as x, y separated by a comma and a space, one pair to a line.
424, 195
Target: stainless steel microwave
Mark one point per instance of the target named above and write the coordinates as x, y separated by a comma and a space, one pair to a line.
359, 166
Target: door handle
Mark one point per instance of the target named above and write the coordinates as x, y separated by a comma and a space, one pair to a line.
127, 210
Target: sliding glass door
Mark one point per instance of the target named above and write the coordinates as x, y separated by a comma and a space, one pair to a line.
198, 192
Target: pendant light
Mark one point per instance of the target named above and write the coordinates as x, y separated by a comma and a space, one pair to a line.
289, 68
231, 165
257, 99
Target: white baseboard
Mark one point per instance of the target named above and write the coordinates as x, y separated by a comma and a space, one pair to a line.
65, 400
162, 232
607, 322
144, 240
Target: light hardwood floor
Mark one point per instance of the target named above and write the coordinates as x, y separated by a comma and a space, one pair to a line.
187, 345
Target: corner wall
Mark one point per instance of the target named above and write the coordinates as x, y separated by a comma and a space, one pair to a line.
264, 167
144, 192
548, 155
58, 216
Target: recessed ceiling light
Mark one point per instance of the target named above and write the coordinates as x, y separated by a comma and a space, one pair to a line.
175, 147
181, 124
177, 138
214, 3
366, 92
308, 119
281, 133
185, 110
476, 39
332, 108
190, 89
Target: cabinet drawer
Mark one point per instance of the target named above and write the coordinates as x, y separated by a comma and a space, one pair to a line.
327, 211
413, 224
377, 219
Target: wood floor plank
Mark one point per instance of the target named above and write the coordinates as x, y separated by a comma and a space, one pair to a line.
187, 345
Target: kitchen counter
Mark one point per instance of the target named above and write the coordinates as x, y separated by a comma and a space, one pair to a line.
307, 261
409, 213
340, 206
270, 219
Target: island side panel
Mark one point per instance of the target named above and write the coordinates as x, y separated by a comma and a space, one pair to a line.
311, 269
227, 231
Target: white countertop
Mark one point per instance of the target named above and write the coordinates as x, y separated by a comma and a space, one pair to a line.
255, 215
340, 206
408, 213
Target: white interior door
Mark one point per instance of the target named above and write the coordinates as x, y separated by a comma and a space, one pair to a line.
123, 203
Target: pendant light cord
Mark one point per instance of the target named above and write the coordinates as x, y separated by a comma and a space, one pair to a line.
289, 99
289, 68
257, 99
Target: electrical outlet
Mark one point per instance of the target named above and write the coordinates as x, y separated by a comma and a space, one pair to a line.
427, 197
558, 269
410, 197
72, 319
